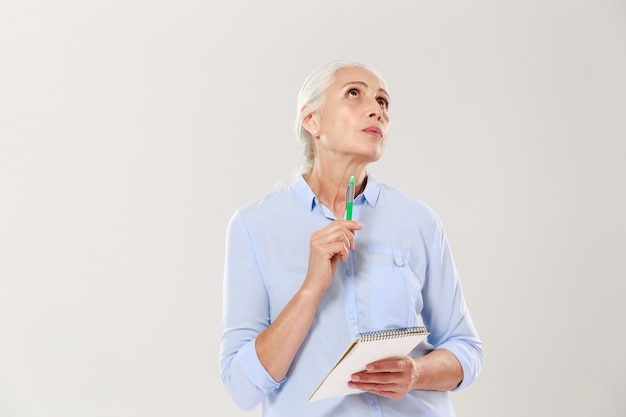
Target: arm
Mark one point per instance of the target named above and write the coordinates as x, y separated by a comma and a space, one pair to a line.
439, 370
256, 353
457, 358
279, 343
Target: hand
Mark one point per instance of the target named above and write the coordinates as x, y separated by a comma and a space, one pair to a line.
327, 247
391, 378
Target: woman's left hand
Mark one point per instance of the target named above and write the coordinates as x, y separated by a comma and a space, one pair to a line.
391, 378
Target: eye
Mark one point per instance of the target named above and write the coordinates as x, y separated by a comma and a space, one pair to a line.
384, 103
353, 93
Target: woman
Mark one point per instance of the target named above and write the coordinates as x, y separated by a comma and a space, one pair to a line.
301, 282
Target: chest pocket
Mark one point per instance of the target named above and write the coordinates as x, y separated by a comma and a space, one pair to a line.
395, 291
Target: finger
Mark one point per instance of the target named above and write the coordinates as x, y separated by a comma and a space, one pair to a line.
349, 228
384, 375
337, 231
385, 390
329, 250
341, 235
328, 235
348, 239
346, 226
377, 378
390, 365
352, 225
343, 251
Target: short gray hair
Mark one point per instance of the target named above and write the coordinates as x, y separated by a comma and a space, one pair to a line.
310, 96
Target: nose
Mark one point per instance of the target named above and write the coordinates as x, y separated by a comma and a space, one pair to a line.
375, 111
376, 114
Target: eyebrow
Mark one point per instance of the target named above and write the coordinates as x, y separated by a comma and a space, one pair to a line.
366, 86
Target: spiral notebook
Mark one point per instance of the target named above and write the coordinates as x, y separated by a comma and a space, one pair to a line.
367, 348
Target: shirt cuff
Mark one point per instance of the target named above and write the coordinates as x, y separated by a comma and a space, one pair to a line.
468, 360
255, 371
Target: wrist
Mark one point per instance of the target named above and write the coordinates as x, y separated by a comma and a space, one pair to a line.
309, 294
415, 375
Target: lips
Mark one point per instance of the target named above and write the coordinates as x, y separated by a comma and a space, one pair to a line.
373, 130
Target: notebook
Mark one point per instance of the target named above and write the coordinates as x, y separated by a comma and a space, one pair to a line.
367, 348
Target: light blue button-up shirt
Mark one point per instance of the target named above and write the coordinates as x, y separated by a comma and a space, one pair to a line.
400, 274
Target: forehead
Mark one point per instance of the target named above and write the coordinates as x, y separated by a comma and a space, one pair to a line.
356, 75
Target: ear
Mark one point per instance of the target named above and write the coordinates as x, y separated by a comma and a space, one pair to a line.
311, 123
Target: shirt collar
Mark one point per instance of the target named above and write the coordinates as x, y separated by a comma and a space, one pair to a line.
306, 195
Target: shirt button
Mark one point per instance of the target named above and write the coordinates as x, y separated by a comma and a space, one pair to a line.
348, 272
352, 316
375, 407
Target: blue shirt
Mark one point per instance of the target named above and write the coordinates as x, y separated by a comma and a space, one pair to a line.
400, 274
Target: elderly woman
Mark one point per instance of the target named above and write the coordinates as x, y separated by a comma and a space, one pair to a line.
301, 281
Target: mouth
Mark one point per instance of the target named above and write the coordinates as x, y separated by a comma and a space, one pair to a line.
374, 131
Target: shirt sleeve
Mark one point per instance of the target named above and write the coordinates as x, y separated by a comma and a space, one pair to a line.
445, 313
245, 315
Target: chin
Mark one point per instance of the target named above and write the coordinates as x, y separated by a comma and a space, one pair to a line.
371, 153
374, 157
378, 153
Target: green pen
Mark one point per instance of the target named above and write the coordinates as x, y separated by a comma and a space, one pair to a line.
349, 198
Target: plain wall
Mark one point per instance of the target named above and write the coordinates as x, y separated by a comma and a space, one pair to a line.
130, 131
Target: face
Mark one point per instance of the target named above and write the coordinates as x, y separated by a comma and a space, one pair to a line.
353, 121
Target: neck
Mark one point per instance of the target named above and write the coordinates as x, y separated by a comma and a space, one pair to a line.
329, 185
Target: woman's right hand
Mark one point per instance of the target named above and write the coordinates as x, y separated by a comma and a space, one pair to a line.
277, 345
327, 247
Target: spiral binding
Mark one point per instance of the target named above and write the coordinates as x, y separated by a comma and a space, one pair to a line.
392, 333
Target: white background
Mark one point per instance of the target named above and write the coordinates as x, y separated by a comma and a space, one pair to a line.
130, 131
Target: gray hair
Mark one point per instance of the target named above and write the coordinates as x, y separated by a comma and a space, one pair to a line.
310, 96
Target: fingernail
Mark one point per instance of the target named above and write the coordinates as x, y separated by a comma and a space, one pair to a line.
356, 378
